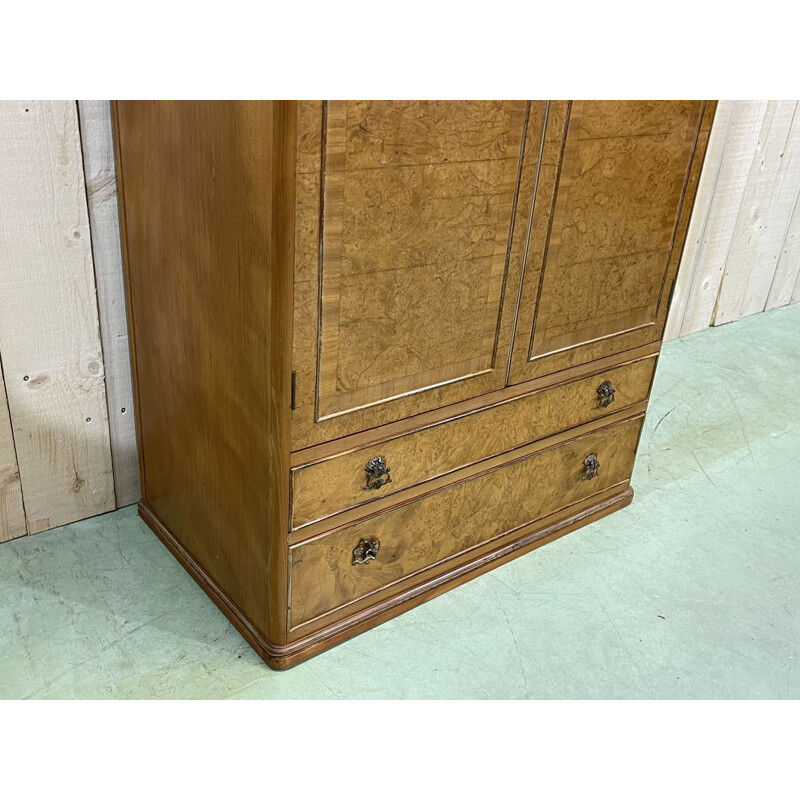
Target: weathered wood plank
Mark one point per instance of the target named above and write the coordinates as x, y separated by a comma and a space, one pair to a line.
762, 222
796, 292
696, 237
12, 512
101, 191
740, 140
787, 272
49, 332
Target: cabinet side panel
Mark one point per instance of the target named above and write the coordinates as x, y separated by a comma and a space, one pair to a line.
208, 220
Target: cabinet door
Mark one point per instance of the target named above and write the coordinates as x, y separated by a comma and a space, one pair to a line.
407, 269
614, 195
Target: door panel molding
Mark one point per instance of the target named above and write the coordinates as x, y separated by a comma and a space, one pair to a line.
387, 256
581, 211
415, 263
603, 271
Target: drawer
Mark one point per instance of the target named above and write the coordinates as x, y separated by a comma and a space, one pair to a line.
341, 482
407, 540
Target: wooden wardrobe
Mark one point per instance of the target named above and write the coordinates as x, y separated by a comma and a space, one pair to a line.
381, 347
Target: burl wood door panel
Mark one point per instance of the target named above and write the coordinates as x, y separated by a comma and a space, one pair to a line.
616, 186
450, 522
325, 488
407, 267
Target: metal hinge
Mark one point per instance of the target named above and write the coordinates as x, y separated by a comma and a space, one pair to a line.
294, 385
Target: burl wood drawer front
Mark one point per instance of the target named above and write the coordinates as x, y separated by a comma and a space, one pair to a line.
323, 489
326, 573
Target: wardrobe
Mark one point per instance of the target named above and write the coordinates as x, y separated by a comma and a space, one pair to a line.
381, 347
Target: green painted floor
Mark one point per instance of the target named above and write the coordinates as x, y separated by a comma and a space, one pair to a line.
691, 592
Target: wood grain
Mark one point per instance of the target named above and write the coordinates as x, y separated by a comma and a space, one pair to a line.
796, 293
764, 215
378, 133
419, 268
101, 191
740, 128
413, 261
699, 232
378, 434
785, 287
439, 526
12, 512
403, 496
209, 225
745, 225
377, 249
455, 573
328, 487
49, 331
602, 258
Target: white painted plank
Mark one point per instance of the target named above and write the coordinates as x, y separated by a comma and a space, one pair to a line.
697, 235
763, 219
740, 141
796, 292
101, 190
12, 512
49, 333
788, 270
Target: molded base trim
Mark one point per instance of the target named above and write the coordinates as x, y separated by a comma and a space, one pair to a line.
284, 656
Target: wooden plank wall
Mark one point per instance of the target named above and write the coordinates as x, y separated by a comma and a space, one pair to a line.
49, 329
101, 191
742, 253
12, 512
63, 354
67, 441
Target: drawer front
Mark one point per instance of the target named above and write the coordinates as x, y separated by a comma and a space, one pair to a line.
341, 567
341, 482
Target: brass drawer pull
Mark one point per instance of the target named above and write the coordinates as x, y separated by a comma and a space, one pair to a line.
377, 473
366, 551
605, 394
591, 466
